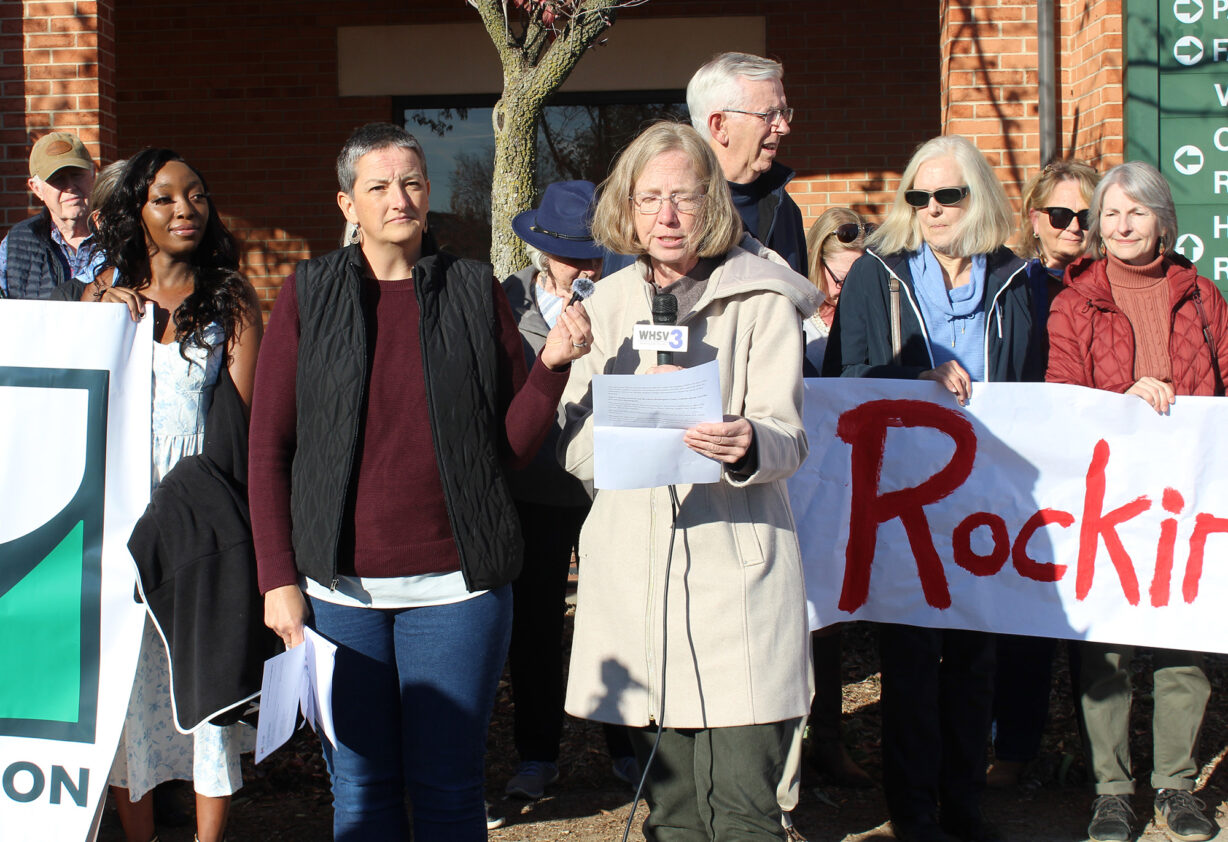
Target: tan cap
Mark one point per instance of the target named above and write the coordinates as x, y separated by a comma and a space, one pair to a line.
55, 151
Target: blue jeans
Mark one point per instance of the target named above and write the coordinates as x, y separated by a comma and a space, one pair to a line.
413, 691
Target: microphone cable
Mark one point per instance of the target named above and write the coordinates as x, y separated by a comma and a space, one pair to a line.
674, 506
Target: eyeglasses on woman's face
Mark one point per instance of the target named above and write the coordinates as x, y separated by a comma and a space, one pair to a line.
650, 203
945, 196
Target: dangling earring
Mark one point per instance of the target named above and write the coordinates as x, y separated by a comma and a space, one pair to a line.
1035, 236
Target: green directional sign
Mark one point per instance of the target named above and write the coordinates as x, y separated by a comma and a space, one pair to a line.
50, 588
1177, 116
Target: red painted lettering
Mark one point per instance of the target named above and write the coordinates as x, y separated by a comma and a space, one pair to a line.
970, 560
865, 429
1173, 503
1098, 524
1204, 525
1028, 567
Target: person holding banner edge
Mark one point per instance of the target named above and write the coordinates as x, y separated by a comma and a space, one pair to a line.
717, 634
938, 297
1138, 319
165, 244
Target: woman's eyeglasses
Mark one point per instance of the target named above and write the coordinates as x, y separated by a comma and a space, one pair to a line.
650, 203
1060, 218
945, 196
851, 232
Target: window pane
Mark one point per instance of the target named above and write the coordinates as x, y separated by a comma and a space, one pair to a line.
574, 141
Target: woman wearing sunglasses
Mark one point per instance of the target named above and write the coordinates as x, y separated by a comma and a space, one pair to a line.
834, 243
1055, 212
1140, 320
963, 313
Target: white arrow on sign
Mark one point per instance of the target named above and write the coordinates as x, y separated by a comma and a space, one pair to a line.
1188, 50
1187, 11
1194, 246
1188, 160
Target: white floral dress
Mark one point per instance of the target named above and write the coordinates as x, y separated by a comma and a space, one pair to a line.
151, 750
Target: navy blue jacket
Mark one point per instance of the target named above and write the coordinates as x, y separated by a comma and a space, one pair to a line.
860, 341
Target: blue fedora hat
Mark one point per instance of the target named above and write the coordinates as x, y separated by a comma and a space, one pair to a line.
562, 224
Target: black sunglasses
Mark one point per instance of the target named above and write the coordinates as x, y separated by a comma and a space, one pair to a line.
851, 232
1060, 218
943, 195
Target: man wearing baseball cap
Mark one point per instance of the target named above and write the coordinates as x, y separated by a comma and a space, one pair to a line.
45, 250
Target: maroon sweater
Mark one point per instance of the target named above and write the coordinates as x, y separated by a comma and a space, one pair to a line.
396, 520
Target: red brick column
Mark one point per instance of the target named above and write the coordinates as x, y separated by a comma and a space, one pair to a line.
1091, 118
57, 73
989, 82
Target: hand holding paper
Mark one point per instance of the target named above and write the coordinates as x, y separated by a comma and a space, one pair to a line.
648, 416
298, 679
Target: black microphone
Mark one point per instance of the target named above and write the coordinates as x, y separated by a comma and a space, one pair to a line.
665, 312
581, 288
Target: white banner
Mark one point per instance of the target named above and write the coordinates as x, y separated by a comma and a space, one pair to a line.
75, 385
1038, 509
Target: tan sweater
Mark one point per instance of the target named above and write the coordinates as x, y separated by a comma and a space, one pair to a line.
1142, 294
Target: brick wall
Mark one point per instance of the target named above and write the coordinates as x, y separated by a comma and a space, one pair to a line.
256, 108
1090, 49
989, 82
248, 94
56, 72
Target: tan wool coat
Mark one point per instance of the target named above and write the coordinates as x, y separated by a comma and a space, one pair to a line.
737, 649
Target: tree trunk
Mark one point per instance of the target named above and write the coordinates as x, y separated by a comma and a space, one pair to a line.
512, 186
534, 67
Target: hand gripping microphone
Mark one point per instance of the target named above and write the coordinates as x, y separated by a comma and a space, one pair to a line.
665, 312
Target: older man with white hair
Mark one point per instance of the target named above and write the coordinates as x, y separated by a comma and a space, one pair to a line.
45, 250
737, 103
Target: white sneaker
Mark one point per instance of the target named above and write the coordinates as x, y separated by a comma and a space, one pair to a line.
493, 822
531, 779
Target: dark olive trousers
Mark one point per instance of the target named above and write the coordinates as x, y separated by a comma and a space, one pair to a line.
714, 784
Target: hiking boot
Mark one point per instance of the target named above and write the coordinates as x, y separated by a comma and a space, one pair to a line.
531, 779
1112, 816
1180, 815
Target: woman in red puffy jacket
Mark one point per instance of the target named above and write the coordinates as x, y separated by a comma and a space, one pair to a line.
1139, 320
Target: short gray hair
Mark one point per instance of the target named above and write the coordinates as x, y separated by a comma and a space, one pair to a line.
715, 85
1144, 184
988, 222
369, 138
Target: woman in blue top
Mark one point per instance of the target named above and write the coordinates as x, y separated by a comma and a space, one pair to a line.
965, 314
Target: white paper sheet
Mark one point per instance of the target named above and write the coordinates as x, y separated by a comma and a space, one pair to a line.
299, 679
639, 421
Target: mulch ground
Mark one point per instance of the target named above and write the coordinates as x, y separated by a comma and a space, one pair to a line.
287, 798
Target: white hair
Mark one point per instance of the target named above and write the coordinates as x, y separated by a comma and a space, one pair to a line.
715, 85
539, 259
